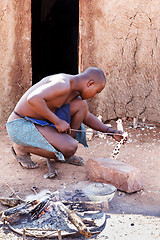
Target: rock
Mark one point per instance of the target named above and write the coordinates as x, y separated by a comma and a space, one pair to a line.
123, 176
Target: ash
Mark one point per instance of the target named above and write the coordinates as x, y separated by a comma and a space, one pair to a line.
49, 218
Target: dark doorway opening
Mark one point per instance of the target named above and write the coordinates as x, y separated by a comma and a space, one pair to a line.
54, 37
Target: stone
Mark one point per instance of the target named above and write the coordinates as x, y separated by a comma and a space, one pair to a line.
123, 176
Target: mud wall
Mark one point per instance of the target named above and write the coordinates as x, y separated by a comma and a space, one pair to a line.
123, 38
15, 53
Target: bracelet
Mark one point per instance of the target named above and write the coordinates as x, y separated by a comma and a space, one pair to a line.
113, 131
107, 129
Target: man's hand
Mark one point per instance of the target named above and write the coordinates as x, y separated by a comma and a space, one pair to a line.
63, 127
118, 135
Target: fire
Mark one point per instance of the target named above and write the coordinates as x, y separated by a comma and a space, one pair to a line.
41, 214
44, 211
35, 202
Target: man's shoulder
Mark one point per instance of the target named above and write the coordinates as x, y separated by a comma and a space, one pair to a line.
61, 79
59, 83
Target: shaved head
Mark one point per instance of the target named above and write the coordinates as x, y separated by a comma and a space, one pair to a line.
96, 74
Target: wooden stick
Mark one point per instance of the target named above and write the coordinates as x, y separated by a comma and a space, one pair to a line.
24, 233
10, 188
86, 205
76, 220
88, 131
59, 234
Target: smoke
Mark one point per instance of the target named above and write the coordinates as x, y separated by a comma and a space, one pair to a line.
42, 194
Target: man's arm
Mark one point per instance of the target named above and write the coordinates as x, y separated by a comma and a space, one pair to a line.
38, 99
94, 123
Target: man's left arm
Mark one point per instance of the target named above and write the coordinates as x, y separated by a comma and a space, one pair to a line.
93, 122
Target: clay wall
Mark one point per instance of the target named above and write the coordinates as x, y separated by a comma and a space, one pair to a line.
15, 53
122, 37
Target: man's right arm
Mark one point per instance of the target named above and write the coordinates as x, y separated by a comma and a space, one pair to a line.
37, 101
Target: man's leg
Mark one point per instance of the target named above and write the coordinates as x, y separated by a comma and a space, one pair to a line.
78, 111
61, 141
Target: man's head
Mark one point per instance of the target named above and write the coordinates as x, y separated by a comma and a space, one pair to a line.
95, 81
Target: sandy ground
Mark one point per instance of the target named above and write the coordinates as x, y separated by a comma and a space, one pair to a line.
130, 216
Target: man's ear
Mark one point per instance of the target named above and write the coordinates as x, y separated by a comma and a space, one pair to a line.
90, 83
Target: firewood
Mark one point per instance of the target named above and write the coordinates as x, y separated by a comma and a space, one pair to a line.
86, 205
24, 234
13, 214
11, 202
59, 234
76, 220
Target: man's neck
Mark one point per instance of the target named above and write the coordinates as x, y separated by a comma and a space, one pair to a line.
77, 83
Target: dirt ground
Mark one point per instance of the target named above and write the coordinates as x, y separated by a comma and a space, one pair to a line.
130, 216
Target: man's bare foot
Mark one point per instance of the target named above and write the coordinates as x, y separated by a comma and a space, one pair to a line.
75, 160
25, 161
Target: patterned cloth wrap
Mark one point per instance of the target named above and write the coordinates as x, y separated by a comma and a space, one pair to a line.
24, 132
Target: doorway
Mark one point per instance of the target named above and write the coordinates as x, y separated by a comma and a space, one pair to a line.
54, 42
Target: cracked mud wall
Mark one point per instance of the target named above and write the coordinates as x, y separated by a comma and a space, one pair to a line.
123, 38
15, 53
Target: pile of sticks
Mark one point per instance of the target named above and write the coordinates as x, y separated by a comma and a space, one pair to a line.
36, 210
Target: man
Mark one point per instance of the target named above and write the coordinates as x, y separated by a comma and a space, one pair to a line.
44, 117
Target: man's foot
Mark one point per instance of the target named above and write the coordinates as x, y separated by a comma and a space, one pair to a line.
25, 161
75, 160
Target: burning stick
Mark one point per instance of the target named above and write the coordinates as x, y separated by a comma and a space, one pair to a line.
13, 215
24, 234
76, 220
59, 234
33, 210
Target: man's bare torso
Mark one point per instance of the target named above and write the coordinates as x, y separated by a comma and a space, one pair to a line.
48, 85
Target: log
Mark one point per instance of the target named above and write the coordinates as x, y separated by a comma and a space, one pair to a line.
75, 220
81, 206
11, 202
13, 214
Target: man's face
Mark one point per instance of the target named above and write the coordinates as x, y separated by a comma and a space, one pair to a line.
91, 90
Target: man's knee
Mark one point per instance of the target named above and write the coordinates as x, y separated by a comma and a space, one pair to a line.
70, 148
78, 105
82, 104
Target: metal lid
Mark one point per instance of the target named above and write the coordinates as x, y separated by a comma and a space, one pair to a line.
99, 189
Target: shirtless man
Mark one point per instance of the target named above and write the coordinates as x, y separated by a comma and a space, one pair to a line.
42, 120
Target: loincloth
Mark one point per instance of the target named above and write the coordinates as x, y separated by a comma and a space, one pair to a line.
24, 132
62, 112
